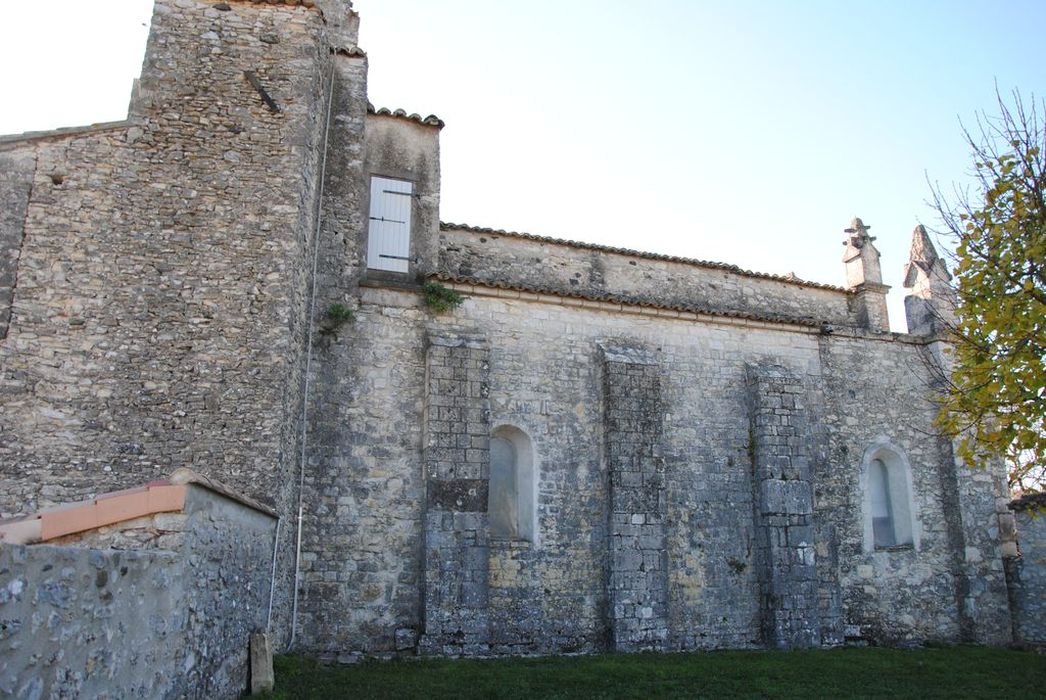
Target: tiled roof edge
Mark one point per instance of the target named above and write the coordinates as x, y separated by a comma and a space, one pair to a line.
627, 300
645, 255
354, 51
1029, 501
431, 120
188, 476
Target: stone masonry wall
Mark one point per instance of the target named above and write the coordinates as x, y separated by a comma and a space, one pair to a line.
457, 473
785, 540
363, 474
168, 620
878, 393
160, 318
154, 324
546, 378
637, 579
562, 266
16, 177
62, 609
362, 575
1028, 573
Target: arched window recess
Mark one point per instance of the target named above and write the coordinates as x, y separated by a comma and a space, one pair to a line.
511, 502
889, 508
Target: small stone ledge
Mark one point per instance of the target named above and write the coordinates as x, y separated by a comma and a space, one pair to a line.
895, 548
392, 281
350, 51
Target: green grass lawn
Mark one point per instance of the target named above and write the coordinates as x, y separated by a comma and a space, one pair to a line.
954, 672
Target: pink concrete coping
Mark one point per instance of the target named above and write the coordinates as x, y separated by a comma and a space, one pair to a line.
106, 509
164, 496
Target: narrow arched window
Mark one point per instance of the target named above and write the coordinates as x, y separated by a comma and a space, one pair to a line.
510, 502
882, 513
503, 504
889, 507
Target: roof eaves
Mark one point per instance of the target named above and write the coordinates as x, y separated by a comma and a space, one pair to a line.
625, 300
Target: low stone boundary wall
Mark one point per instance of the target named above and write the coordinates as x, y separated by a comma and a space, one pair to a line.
170, 618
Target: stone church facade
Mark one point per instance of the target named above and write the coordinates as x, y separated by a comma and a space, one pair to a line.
599, 449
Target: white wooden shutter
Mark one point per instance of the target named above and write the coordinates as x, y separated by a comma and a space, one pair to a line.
388, 242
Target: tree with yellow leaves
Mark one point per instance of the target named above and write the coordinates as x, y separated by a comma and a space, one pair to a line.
995, 398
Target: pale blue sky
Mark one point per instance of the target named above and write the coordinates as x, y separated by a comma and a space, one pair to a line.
741, 132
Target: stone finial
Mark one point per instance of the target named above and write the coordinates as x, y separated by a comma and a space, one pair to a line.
923, 261
930, 306
857, 228
861, 256
864, 277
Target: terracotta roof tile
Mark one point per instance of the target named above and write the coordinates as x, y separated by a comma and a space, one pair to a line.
786, 279
349, 51
431, 120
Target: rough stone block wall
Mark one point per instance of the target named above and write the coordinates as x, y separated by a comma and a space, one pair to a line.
160, 317
363, 474
157, 314
169, 621
546, 378
1028, 574
878, 391
637, 579
62, 609
563, 266
457, 472
783, 498
364, 488
549, 596
16, 177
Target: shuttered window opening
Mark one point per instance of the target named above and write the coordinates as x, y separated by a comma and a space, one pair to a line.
388, 241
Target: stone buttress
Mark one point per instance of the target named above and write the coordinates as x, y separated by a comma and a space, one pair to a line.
457, 470
637, 578
783, 501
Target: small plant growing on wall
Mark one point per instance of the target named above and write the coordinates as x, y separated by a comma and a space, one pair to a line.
440, 298
335, 317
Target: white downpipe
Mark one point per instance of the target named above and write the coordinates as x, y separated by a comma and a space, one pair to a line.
272, 574
308, 356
